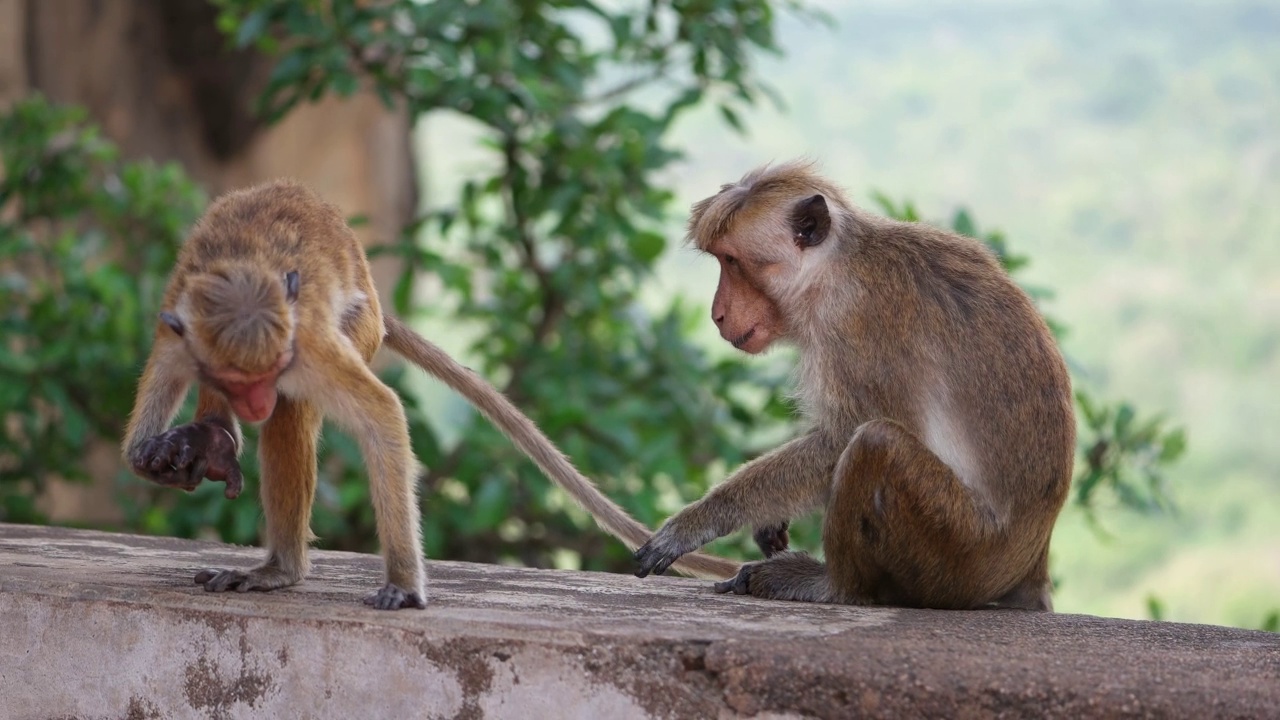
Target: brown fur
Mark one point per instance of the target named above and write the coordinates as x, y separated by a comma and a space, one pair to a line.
230, 325
241, 316
942, 434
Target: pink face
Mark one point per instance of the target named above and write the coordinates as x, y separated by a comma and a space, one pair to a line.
252, 395
761, 250
745, 316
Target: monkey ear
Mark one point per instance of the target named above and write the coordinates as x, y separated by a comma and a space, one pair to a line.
291, 285
173, 322
810, 222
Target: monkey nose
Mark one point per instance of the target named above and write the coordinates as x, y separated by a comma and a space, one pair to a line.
717, 317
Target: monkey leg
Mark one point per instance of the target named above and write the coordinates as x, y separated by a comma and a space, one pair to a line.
393, 474
368, 409
374, 414
902, 529
287, 456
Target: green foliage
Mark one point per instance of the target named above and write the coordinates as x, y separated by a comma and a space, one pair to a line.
85, 241
1120, 451
546, 253
1271, 623
1155, 608
1125, 455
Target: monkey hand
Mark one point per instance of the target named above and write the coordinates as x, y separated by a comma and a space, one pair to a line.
772, 539
184, 456
674, 539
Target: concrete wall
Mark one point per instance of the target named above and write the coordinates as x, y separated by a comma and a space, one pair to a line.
94, 625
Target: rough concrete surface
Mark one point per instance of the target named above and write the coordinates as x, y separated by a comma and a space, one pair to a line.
96, 625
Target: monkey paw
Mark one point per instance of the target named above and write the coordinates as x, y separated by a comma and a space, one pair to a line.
187, 454
392, 597
772, 539
663, 549
261, 578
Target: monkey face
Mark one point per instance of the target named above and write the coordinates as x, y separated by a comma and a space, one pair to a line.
252, 395
745, 315
769, 237
252, 398
237, 324
766, 261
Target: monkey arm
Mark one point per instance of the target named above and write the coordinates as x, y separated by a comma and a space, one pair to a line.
185, 455
785, 483
160, 393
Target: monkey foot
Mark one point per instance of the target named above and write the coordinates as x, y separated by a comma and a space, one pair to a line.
393, 597
786, 576
263, 578
739, 584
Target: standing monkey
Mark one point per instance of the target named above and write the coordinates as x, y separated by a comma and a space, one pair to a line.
271, 309
942, 434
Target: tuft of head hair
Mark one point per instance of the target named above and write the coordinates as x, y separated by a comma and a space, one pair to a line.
242, 316
768, 187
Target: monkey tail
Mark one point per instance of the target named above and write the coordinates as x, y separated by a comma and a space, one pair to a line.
499, 410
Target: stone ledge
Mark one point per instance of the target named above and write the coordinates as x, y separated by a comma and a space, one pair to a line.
97, 625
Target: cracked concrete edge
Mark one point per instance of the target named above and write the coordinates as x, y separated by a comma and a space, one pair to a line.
91, 659
95, 625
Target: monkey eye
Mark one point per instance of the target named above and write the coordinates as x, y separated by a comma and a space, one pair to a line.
730, 260
291, 285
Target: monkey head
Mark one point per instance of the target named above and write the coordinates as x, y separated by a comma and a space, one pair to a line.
769, 232
237, 323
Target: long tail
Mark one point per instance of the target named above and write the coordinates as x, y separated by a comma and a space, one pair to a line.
499, 410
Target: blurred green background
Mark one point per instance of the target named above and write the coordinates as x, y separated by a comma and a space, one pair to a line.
1123, 156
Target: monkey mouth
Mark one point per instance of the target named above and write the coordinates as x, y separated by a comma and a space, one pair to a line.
742, 339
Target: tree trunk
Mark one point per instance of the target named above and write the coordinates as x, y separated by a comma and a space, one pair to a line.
160, 80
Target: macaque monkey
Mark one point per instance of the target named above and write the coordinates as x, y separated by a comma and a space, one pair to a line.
941, 434
272, 311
